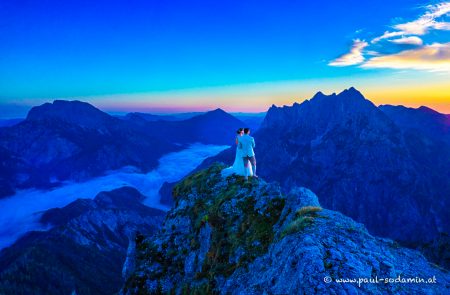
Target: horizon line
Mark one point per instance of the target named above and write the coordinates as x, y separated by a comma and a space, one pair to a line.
182, 109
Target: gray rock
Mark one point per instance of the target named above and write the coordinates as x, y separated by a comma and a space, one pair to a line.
249, 238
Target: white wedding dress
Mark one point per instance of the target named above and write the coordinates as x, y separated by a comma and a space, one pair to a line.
238, 167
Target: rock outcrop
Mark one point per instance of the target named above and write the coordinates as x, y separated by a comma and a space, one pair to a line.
228, 236
85, 249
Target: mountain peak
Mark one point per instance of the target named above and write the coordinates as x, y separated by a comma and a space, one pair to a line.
214, 114
75, 112
428, 110
217, 111
318, 95
352, 91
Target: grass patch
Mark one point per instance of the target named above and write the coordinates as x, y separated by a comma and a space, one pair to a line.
304, 217
200, 182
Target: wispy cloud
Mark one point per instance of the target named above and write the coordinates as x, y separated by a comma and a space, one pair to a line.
413, 40
434, 57
422, 25
354, 57
431, 57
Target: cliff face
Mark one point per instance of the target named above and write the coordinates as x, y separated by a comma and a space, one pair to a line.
226, 236
85, 249
371, 164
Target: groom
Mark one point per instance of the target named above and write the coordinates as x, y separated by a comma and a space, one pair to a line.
246, 144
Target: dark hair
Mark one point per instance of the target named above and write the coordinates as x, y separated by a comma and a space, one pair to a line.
246, 130
239, 130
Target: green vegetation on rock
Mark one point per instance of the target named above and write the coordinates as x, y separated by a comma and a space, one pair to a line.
304, 217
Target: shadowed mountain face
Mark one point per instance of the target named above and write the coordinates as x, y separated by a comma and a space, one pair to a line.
153, 117
224, 236
423, 119
214, 127
252, 121
359, 162
73, 140
84, 251
9, 122
72, 112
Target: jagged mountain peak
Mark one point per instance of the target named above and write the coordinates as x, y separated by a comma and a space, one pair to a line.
324, 110
352, 90
350, 95
346, 93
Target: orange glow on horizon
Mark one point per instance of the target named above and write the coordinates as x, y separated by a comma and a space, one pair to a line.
252, 98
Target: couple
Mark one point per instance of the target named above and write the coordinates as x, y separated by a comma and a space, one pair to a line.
244, 156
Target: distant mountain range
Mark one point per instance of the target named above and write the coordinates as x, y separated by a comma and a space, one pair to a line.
85, 250
250, 120
74, 140
166, 117
214, 127
386, 167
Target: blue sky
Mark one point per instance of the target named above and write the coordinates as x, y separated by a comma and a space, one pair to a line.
194, 55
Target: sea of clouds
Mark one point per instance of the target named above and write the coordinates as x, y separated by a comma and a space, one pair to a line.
20, 213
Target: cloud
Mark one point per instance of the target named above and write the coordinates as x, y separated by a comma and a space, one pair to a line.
354, 57
172, 167
434, 57
431, 57
413, 40
422, 25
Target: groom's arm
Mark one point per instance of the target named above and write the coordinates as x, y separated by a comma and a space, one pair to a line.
253, 142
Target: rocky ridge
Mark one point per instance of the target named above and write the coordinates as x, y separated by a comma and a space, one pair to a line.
229, 237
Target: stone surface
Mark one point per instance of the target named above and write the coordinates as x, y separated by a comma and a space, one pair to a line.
231, 237
84, 251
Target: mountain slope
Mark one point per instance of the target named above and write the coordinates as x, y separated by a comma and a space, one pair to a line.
73, 112
423, 119
214, 127
74, 140
85, 249
358, 160
9, 122
225, 236
360, 163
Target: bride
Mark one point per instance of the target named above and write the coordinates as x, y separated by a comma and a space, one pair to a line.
238, 167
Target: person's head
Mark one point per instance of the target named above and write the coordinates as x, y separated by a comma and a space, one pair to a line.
246, 130
240, 131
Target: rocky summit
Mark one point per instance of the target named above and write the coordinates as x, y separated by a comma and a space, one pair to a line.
227, 236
